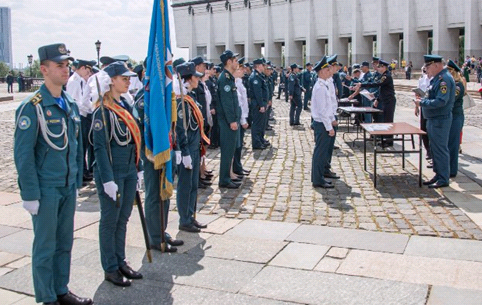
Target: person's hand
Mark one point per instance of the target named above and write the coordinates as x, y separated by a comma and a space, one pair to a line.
111, 188
331, 133
213, 111
291, 97
245, 126
31, 206
234, 126
350, 97
262, 109
270, 103
140, 177
417, 102
417, 111
375, 104
334, 123
178, 157
357, 85
187, 162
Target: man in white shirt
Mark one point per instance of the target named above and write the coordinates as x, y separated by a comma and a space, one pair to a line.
323, 122
334, 67
77, 88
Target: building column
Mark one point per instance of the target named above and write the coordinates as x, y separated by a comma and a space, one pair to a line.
292, 48
445, 41
229, 32
272, 50
192, 41
361, 46
212, 55
473, 30
387, 44
414, 43
336, 45
250, 50
314, 47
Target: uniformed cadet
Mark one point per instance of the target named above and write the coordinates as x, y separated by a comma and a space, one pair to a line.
457, 116
386, 96
189, 135
378, 117
268, 72
229, 114
365, 102
437, 109
48, 157
212, 84
243, 122
307, 82
75, 87
323, 123
152, 204
333, 64
259, 102
117, 142
294, 92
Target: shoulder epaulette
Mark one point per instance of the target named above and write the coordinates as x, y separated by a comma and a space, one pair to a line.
37, 98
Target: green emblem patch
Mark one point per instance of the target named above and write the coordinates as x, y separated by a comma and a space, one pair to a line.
24, 122
443, 89
98, 125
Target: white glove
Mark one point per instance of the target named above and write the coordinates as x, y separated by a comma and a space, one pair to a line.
31, 206
110, 188
140, 178
178, 157
187, 161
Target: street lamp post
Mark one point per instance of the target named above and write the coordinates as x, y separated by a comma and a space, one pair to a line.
97, 47
30, 61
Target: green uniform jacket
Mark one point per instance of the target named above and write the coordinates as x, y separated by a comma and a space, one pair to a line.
228, 109
441, 96
38, 164
258, 90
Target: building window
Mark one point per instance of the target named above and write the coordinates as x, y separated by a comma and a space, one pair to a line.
202, 51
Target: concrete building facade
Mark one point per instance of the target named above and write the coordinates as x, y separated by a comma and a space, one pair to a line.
6, 36
299, 31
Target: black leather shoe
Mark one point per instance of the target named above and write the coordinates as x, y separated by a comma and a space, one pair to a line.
236, 180
71, 299
431, 181
175, 242
336, 147
189, 228
87, 178
259, 148
168, 249
240, 175
266, 143
331, 175
208, 176
205, 179
437, 185
51, 303
206, 183
129, 273
117, 278
199, 225
269, 128
453, 175
324, 185
230, 185
246, 172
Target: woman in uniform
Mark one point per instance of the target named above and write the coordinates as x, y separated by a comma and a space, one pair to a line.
116, 141
457, 117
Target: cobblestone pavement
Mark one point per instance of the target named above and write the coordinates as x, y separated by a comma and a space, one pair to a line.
279, 187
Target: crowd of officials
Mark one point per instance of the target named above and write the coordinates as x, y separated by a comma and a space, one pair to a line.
89, 125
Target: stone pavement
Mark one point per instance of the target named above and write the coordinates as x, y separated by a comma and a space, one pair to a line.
277, 240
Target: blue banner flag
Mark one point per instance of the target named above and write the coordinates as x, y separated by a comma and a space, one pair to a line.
159, 98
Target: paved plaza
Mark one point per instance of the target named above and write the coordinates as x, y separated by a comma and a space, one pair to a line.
277, 240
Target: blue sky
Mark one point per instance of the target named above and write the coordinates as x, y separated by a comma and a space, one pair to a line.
121, 25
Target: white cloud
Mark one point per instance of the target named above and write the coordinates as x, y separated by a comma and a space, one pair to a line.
121, 25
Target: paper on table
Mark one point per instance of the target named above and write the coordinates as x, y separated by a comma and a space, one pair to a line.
379, 127
367, 94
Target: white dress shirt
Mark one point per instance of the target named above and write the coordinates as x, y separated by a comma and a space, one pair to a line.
75, 88
321, 103
334, 100
242, 100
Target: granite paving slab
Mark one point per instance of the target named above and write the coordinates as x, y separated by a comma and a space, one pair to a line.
7, 258
300, 256
7, 198
413, 269
310, 287
7, 230
350, 238
222, 225
13, 216
263, 229
469, 250
19, 242
9, 297
449, 296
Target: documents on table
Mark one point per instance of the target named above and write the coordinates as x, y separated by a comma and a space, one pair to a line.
368, 94
378, 127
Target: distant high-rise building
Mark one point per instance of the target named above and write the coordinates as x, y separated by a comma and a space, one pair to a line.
6, 36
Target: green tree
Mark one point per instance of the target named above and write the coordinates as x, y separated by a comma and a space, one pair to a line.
4, 69
35, 69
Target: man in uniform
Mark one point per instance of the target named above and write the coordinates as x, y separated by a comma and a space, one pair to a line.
333, 69
367, 76
75, 87
229, 114
258, 93
268, 72
323, 123
307, 82
48, 156
294, 91
437, 109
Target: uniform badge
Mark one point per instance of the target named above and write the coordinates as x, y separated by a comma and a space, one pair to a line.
62, 49
141, 105
98, 125
227, 88
49, 113
255, 82
443, 87
76, 130
457, 91
24, 122
180, 115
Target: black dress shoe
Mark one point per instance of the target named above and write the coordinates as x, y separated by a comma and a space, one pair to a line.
129, 273
431, 181
240, 175
208, 172
324, 185
117, 278
246, 172
437, 185
230, 185
175, 242
207, 176
205, 179
336, 147
237, 180
189, 228
259, 148
331, 175
168, 249
205, 182
199, 225
453, 175
71, 299
87, 178
269, 128
52, 303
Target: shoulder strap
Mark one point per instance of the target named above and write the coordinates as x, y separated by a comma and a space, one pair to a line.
36, 99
